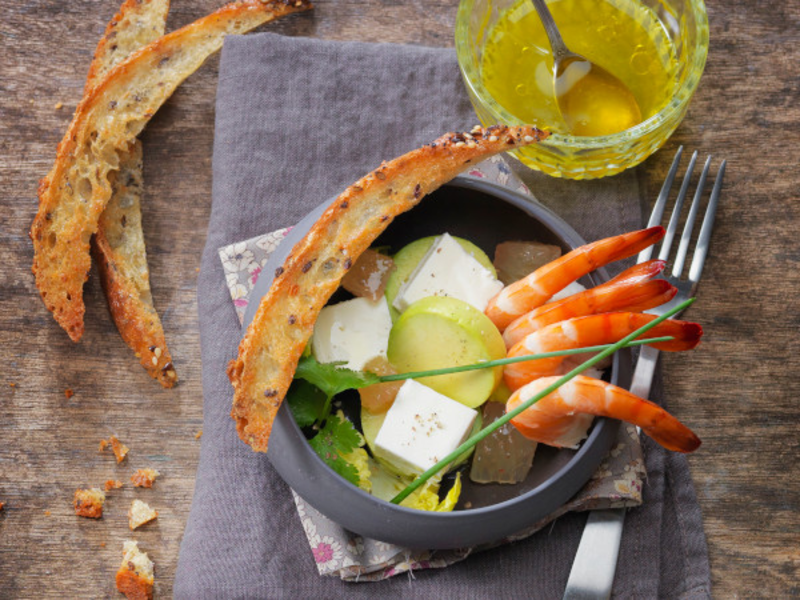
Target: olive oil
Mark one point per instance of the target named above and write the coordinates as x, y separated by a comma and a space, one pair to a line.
623, 37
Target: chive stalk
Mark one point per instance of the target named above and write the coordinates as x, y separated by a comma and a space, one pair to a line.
488, 430
488, 364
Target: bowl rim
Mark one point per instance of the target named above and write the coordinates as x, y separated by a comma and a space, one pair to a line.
677, 103
303, 470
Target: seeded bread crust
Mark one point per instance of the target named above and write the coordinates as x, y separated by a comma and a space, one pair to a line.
107, 121
283, 324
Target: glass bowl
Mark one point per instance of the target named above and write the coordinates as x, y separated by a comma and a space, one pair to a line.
573, 157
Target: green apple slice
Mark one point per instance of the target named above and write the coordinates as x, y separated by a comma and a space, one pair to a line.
439, 332
409, 256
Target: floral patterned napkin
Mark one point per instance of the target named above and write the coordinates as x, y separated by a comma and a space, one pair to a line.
338, 552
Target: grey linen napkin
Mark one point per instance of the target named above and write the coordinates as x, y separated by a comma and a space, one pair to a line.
297, 121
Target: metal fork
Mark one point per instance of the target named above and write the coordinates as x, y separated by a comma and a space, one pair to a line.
593, 569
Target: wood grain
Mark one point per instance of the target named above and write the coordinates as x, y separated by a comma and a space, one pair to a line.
739, 390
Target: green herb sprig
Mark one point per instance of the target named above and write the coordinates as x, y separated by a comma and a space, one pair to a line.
488, 430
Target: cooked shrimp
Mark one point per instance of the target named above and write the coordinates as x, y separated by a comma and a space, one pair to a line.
592, 330
563, 417
628, 291
532, 291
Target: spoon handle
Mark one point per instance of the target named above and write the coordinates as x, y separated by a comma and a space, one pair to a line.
557, 44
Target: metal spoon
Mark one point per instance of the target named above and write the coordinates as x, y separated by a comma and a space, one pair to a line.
592, 101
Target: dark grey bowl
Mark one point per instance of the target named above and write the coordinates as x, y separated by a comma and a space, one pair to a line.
485, 214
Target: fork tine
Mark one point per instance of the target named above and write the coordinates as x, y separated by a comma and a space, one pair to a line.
683, 247
696, 269
666, 245
661, 203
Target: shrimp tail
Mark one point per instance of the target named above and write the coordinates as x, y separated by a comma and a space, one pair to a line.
677, 437
640, 272
535, 289
687, 334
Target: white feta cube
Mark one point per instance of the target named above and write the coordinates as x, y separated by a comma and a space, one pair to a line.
422, 427
449, 270
353, 332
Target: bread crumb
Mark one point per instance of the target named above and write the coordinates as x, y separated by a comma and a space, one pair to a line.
198, 435
89, 503
135, 574
120, 450
139, 514
59, 105
69, 393
113, 484
144, 477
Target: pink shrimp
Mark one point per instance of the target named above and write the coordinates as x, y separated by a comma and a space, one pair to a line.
592, 330
563, 417
628, 291
532, 291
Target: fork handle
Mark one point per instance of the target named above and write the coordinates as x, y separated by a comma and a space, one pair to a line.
595, 563
592, 574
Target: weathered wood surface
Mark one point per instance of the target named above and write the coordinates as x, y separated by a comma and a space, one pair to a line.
739, 390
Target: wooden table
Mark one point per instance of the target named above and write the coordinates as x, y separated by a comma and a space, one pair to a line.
739, 390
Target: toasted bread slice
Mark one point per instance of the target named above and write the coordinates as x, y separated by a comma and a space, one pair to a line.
121, 258
118, 248
283, 324
75, 192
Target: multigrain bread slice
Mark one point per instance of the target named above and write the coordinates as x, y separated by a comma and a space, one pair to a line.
135, 575
121, 259
283, 324
109, 118
118, 247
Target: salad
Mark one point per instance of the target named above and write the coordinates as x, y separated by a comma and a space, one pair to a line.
440, 302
